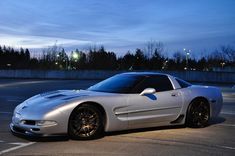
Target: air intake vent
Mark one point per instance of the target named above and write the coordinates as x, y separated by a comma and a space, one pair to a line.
49, 93
55, 96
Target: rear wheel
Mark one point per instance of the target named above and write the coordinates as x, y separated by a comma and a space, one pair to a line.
198, 114
85, 122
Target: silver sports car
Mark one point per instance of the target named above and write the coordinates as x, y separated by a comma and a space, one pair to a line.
124, 101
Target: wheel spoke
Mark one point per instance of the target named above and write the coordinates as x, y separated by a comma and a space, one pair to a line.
199, 114
85, 123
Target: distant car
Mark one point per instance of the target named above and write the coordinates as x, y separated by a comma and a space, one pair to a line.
124, 101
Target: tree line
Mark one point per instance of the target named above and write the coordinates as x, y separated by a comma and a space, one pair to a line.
152, 57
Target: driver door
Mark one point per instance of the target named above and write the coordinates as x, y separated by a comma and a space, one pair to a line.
153, 109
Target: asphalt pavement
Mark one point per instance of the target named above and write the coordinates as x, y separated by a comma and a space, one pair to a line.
216, 139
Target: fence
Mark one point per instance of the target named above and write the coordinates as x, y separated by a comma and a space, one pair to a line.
199, 76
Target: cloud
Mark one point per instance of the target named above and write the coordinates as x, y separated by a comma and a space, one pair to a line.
47, 24
38, 41
118, 24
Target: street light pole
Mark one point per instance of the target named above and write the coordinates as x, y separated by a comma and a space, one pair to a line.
187, 57
75, 57
222, 64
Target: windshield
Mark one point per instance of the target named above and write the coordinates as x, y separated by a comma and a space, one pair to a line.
117, 84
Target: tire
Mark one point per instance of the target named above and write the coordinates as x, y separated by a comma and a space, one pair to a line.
86, 122
198, 114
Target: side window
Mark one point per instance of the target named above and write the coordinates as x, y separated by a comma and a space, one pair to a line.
159, 83
182, 83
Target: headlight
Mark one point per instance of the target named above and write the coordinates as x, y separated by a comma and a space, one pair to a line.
45, 123
17, 116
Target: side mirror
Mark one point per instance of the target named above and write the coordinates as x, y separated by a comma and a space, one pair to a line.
148, 91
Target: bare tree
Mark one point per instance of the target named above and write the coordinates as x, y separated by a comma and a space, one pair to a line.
52, 52
228, 53
153, 47
178, 57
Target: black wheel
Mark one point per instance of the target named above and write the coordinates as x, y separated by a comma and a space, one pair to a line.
198, 114
86, 122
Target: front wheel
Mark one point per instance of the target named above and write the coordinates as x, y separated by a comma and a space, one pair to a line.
198, 114
85, 122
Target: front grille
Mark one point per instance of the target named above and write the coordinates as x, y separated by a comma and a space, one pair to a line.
17, 129
29, 122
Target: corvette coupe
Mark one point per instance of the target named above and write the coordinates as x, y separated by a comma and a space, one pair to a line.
125, 101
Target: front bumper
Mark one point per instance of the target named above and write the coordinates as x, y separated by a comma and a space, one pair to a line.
21, 131
34, 124
30, 128
16, 129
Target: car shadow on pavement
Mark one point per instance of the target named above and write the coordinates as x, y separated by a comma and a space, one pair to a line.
144, 130
217, 120
43, 139
66, 138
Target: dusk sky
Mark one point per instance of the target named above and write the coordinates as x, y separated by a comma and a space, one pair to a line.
119, 25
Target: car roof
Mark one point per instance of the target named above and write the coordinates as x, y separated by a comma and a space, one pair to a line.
144, 73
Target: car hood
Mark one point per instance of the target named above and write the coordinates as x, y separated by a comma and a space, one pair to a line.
51, 100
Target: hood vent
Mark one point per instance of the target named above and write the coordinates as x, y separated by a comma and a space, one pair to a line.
55, 96
49, 93
72, 97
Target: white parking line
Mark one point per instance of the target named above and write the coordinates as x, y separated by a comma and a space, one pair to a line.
21, 83
228, 113
181, 143
21, 145
16, 143
1, 141
229, 94
14, 100
229, 125
227, 147
6, 113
